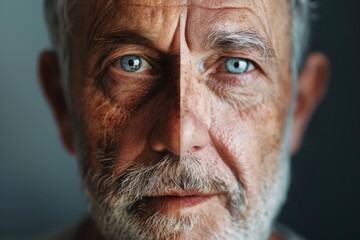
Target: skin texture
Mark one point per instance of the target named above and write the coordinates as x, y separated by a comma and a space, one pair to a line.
210, 122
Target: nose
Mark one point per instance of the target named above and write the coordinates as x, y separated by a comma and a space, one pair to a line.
165, 136
194, 135
181, 126
179, 134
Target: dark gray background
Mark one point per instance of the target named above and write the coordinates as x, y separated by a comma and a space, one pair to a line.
39, 187
324, 199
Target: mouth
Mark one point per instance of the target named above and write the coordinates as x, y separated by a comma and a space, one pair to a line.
175, 201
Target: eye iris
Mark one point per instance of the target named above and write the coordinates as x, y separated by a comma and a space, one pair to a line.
130, 63
237, 65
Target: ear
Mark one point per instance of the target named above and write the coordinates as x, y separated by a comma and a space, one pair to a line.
311, 88
50, 80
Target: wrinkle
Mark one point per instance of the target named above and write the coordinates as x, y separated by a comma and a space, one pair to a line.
240, 173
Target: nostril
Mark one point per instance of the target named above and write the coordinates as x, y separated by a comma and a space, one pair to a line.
196, 148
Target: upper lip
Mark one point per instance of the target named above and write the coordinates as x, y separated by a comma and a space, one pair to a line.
177, 193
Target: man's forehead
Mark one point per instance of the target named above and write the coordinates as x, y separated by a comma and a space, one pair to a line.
211, 4
147, 3
134, 11
218, 4
158, 20
177, 3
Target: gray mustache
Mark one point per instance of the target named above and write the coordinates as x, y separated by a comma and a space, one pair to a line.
170, 173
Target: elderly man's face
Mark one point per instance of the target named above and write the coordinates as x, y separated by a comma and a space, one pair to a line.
179, 114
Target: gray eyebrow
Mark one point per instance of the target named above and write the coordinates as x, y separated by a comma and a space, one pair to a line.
239, 41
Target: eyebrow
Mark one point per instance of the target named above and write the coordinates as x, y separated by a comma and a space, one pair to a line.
104, 45
127, 37
247, 41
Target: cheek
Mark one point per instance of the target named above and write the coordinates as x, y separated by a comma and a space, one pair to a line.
250, 142
98, 124
110, 135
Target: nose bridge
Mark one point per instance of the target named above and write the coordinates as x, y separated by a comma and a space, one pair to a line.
181, 126
191, 99
193, 130
186, 72
186, 80
165, 136
193, 127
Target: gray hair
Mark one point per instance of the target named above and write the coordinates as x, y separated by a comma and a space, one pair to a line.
301, 19
58, 14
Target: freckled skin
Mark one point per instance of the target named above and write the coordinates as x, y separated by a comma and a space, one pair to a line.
97, 114
237, 127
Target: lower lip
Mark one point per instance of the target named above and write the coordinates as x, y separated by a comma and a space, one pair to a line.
177, 202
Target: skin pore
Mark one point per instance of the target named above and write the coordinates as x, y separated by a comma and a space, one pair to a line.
192, 144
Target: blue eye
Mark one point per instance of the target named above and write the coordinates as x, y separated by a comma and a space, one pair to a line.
133, 63
238, 65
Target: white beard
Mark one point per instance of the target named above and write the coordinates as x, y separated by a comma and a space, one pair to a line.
110, 201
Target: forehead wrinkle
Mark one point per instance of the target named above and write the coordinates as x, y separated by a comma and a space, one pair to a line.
175, 45
214, 24
184, 36
118, 10
114, 17
259, 9
218, 4
150, 3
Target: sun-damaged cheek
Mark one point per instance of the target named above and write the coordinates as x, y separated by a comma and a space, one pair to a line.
113, 133
99, 123
130, 92
270, 130
259, 156
247, 95
248, 141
